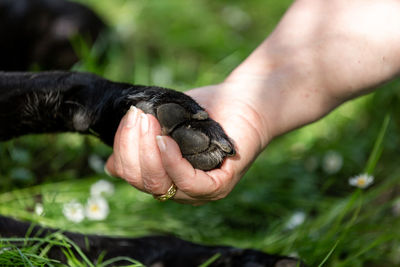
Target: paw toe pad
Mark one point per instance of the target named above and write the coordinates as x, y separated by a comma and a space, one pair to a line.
190, 141
201, 140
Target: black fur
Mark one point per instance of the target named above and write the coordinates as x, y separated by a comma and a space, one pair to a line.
40, 32
81, 102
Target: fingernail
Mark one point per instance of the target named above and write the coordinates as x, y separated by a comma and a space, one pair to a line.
131, 119
161, 143
144, 123
107, 172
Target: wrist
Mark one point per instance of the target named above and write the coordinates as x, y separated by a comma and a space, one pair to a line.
284, 93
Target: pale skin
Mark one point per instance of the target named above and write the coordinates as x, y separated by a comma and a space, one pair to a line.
321, 54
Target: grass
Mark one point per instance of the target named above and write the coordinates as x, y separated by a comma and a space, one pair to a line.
32, 252
185, 44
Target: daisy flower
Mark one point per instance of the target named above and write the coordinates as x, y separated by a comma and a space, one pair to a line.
74, 211
332, 162
96, 163
97, 208
296, 219
102, 188
362, 180
39, 210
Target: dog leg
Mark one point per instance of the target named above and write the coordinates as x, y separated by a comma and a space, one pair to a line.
49, 102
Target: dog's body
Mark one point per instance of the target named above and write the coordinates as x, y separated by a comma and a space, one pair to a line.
156, 251
40, 31
80, 102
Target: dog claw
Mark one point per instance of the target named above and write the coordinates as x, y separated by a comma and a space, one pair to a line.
200, 115
225, 146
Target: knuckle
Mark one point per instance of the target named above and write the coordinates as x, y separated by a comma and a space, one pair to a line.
153, 185
189, 189
131, 176
219, 192
215, 190
124, 142
119, 170
134, 181
217, 187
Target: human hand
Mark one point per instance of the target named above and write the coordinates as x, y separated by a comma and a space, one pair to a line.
318, 57
151, 162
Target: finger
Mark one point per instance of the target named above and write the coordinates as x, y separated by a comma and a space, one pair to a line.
193, 182
126, 149
109, 168
114, 164
182, 198
155, 178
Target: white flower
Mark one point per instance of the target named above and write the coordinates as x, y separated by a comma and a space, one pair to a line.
39, 210
332, 162
362, 180
97, 208
297, 219
96, 163
101, 188
73, 211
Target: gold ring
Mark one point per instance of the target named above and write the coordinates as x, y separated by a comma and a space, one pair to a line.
170, 194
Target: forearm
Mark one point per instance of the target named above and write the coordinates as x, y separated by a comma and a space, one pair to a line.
321, 54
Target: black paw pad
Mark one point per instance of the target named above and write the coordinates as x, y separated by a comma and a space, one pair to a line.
201, 140
171, 115
190, 141
207, 160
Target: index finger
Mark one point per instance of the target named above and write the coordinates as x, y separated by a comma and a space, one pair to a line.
193, 182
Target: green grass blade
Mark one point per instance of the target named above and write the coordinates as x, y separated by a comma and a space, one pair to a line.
378, 147
116, 259
24, 258
78, 250
210, 260
329, 254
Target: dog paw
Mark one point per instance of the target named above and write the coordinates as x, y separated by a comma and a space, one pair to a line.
202, 140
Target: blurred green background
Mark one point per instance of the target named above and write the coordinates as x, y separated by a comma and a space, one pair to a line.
295, 199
